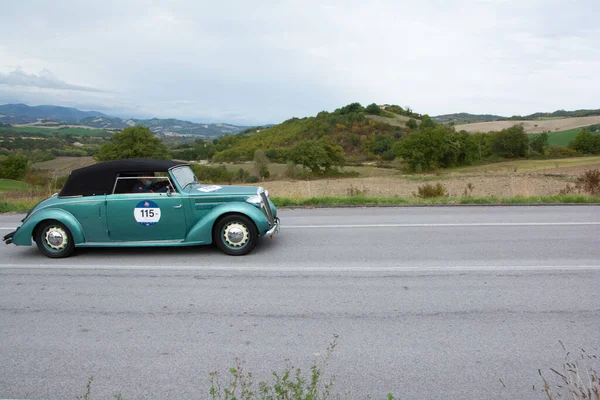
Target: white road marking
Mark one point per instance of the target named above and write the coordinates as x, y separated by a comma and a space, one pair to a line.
232, 268
439, 225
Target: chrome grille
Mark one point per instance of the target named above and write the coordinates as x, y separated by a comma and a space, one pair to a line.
267, 208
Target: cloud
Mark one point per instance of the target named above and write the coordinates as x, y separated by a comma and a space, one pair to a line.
45, 80
269, 61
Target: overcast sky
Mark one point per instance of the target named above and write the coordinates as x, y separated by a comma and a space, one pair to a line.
259, 62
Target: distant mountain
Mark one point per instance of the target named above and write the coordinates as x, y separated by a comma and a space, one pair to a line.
24, 114
56, 116
466, 118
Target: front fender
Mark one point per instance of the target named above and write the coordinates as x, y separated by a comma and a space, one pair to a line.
202, 231
24, 233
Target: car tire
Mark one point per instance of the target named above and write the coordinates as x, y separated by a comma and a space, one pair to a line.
54, 239
235, 235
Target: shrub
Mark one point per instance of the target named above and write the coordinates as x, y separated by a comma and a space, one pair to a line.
207, 174
562, 152
356, 191
427, 191
588, 182
293, 171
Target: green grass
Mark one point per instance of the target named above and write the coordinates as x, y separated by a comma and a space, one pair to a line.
563, 138
375, 201
397, 120
528, 165
9, 184
61, 131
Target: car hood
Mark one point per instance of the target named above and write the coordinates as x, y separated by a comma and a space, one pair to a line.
221, 190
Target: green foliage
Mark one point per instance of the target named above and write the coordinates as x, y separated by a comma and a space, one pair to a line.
539, 143
511, 142
436, 146
293, 171
373, 109
13, 166
586, 143
412, 124
261, 164
317, 155
207, 174
291, 384
133, 142
561, 152
428, 191
427, 122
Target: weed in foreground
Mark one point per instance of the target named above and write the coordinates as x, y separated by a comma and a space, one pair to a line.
427, 191
577, 379
291, 384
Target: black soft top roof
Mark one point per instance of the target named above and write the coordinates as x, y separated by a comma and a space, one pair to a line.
99, 179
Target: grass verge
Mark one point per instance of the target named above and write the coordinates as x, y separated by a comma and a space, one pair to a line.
373, 201
24, 206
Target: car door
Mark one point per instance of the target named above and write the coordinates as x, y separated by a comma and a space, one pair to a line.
139, 217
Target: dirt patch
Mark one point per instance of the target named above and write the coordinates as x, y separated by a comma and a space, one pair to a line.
537, 126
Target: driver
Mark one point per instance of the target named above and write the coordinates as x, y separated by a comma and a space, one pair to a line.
145, 185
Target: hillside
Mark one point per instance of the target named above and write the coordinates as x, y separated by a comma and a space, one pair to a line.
355, 132
24, 114
60, 117
533, 126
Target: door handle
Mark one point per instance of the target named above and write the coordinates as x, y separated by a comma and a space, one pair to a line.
179, 206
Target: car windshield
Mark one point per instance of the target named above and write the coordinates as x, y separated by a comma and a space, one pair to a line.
184, 176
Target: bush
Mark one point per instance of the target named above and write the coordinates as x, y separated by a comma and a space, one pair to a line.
206, 174
588, 182
562, 152
427, 191
293, 171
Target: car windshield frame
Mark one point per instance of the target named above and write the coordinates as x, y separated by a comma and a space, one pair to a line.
183, 175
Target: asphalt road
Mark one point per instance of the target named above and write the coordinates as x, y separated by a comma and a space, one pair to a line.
428, 302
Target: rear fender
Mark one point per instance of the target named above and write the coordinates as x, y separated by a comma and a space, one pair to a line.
202, 231
24, 234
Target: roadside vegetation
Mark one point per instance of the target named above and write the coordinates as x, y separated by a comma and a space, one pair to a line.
390, 143
576, 378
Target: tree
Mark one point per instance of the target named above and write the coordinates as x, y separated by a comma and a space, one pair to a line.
511, 142
13, 167
317, 154
539, 143
133, 142
373, 109
586, 143
412, 123
261, 164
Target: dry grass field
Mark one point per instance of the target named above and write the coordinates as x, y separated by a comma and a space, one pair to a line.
537, 126
508, 179
505, 179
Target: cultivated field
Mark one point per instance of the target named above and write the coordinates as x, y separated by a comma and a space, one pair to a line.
537, 126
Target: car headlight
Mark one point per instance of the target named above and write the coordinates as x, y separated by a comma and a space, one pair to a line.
256, 200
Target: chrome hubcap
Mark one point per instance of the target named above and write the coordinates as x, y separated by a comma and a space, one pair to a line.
56, 238
236, 234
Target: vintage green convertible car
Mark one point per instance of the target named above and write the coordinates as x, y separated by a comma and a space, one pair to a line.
145, 202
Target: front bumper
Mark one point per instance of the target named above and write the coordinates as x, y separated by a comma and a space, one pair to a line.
275, 229
8, 239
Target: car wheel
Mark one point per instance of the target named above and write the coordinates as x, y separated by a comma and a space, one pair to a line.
54, 239
236, 235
